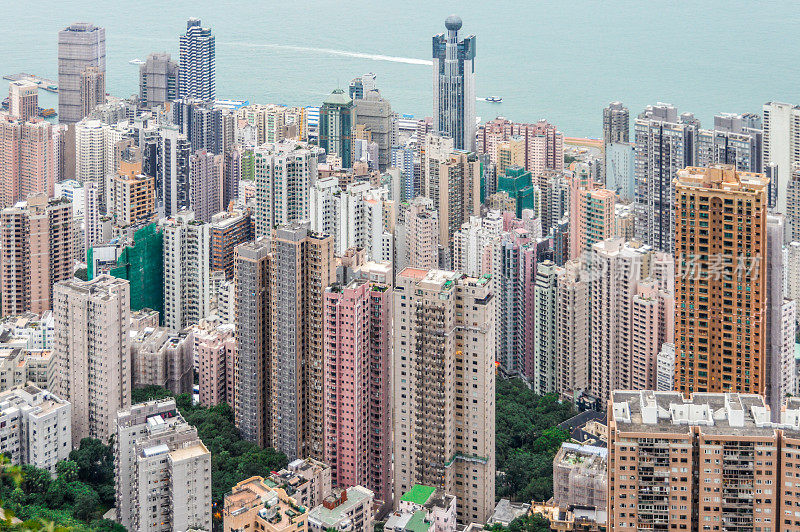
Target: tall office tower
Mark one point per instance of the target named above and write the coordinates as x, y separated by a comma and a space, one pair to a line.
781, 138
545, 349
732, 141
92, 350
544, 144
452, 181
591, 215
301, 270
231, 175
514, 264
616, 123
23, 100
664, 145
197, 71
732, 428
284, 173
80, 46
360, 86
444, 387
228, 229
454, 85
720, 288
618, 275
158, 80
421, 229
374, 112
161, 472
173, 170
474, 244
358, 335
205, 181
337, 121
253, 363
28, 158
37, 249
93, 89
187, 285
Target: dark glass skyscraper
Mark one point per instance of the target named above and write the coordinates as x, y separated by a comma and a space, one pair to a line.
454, 85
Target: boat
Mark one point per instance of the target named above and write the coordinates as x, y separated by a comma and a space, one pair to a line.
136, 61
47, 113
494, 99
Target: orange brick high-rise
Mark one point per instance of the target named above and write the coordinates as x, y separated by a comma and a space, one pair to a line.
720, 276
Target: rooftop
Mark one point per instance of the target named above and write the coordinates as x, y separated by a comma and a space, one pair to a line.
418, 494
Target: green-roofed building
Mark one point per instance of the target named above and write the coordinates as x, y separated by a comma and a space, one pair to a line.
337, 118
418, 494
142, 264
518, 183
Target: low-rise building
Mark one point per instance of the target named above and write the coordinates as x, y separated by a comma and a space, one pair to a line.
579, 476
345, 510
424, 508
35, 427
506, 511
257, 504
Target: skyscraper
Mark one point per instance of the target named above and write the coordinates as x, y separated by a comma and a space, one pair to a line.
421, 230
80, 46
93, 89
205, 178
720, 282
616, 123
253, 374
454, 85
301, 269
92, 350
375, 113
196, 75
358, 323
337, 119
664, 145
37, 250
158, 80
444, 380
781, 138
173, 170
28, 158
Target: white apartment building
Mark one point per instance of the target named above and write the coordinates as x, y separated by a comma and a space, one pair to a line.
781, 145
345, 509
162, 471
474, 244
92, 350
35, 427
187, 275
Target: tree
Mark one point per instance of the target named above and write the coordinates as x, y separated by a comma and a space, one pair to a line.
527, 523
86, 505
82, 274
67, 470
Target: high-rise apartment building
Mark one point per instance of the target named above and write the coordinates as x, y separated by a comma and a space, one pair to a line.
781, 140
28, 158
302, 268
720, 281
173, 151
197, 71
735, 140
421, 235
710, 462
444, 387
158, 80
187, 284
228, 229
616, 123
92, 350
162, 471
160, 358
80, 46
37, 249
215, 353
133, 196
23, 99
93, 89
252, 368
544, 143
284, 173
337, 122
205, 182
374, 112
591, 214
358, 335
545, 348
664, 145
454, 85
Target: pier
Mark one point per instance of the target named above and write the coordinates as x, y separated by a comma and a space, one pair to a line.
45, 84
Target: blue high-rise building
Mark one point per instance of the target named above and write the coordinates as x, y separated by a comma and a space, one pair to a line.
454, 85
198, 63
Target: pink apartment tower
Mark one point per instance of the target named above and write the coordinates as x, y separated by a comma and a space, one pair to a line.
358, 320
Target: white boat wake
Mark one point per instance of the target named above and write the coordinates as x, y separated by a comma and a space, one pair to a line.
331, 51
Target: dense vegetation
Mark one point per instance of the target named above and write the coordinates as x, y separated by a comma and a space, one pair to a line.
77, 498
232, 458
527, 440
528, 523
